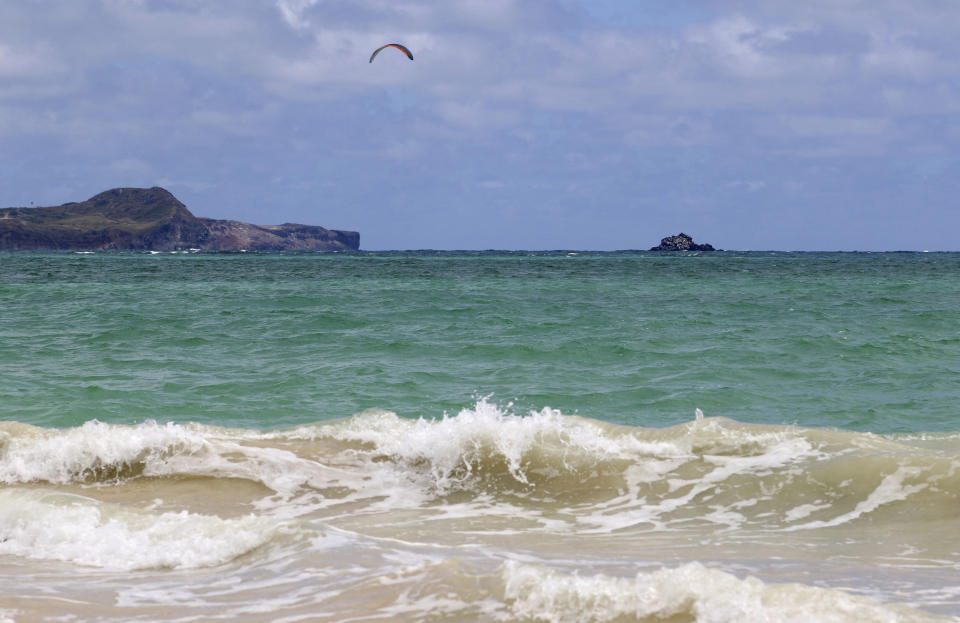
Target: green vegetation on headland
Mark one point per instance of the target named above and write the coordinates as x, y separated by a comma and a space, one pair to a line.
153, 219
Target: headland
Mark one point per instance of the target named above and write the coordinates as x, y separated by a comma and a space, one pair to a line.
153, 219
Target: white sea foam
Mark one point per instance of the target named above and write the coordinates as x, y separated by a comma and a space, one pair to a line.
891, 489
453, 448
804, 510
46, 525
99, 452
723, 454
90, 450
449, 452
710, 470
456, 452
690, 592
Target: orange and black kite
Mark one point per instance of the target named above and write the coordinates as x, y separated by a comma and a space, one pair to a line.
402, 48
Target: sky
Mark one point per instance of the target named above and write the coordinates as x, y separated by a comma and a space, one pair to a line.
520, 124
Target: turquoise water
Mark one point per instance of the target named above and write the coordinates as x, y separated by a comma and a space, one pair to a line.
865, 342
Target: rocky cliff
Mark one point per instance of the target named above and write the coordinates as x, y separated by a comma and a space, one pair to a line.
153, 219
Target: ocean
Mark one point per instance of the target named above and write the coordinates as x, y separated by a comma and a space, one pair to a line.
480, 436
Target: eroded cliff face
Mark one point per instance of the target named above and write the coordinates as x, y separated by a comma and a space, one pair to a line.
226, 235
153, 219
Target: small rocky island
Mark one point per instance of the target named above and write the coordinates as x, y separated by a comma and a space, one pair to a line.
153, 219
682, 242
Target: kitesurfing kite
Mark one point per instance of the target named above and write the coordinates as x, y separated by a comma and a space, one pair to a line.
402, 48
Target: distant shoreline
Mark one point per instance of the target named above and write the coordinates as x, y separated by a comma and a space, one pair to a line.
152, 219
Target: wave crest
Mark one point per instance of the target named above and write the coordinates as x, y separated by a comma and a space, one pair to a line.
598, 476
45, 525
93, 452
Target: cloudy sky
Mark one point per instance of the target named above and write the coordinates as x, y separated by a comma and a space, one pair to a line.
520, 124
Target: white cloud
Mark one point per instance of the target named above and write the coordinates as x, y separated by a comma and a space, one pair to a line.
895, 56
293, 10
26, 63
735, 45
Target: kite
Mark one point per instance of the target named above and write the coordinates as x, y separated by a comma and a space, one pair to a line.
402, 48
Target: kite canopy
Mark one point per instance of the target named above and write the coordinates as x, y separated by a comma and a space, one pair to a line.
402, 48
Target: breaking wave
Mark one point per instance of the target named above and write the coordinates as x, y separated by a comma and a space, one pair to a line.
710, 471
47, 525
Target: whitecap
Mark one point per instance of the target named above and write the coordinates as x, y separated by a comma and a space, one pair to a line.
689, 592
46, 525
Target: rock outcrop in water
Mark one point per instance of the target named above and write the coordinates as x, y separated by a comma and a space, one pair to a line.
153, 219
681, 242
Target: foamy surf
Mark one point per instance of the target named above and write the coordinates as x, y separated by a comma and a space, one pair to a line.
486, 514
690, 592
46, 525
710, 471
98, 454
94, 452
554, 469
